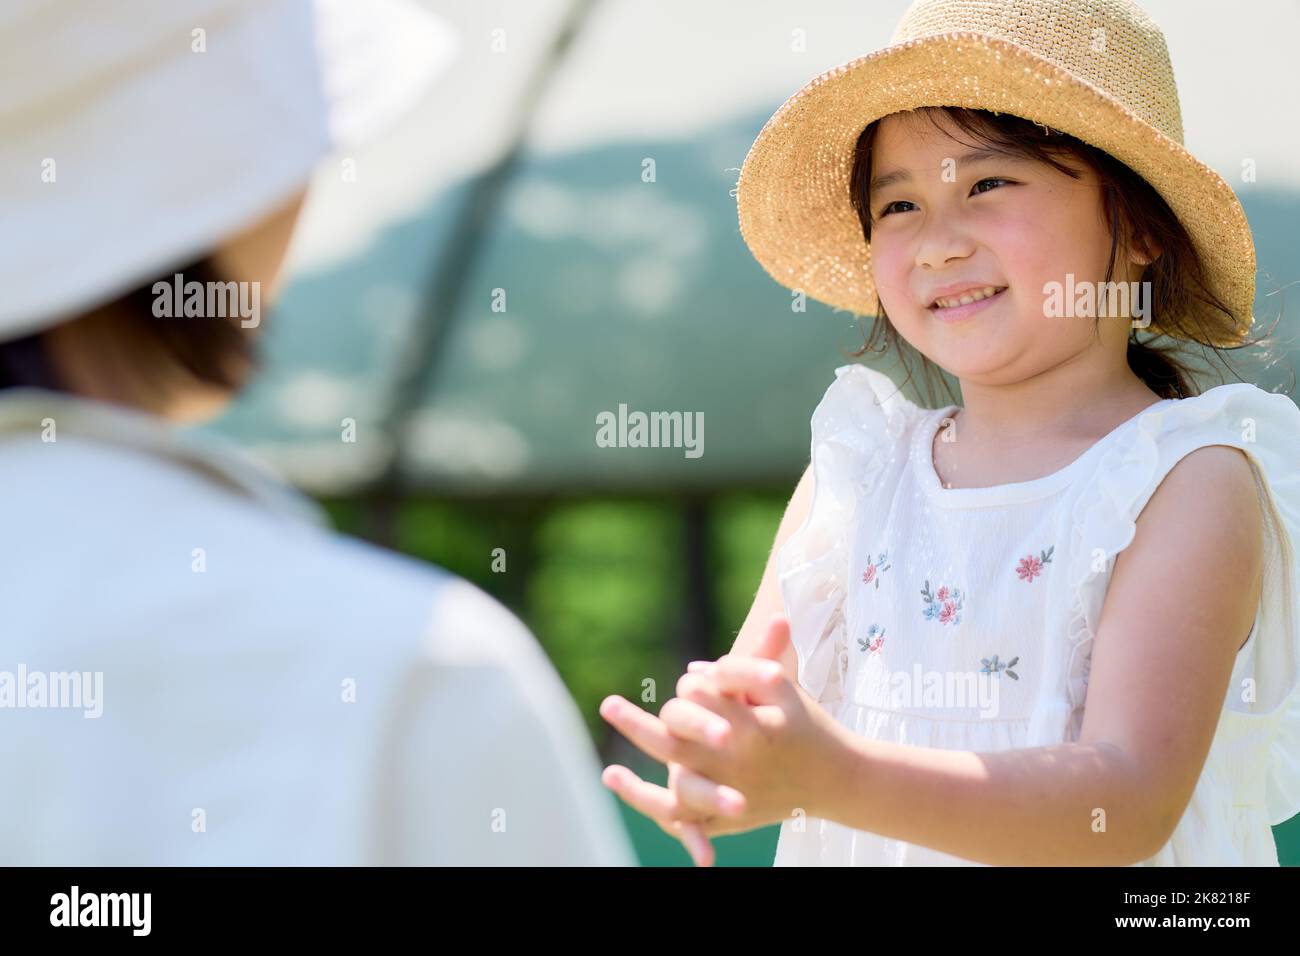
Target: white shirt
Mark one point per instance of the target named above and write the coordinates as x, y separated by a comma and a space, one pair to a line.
963, 618
272, 693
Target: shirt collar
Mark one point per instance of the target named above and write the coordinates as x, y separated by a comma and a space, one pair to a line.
26, 410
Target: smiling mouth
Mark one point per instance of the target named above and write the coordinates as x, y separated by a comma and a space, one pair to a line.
946, 304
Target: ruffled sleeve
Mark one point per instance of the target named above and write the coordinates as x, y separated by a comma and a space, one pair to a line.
855, 427
1267, 427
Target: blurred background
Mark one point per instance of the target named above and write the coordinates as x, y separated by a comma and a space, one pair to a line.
552, 234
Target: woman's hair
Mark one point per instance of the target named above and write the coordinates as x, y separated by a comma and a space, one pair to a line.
211, 350
1177, 275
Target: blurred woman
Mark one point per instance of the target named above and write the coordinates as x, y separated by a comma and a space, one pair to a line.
194, 669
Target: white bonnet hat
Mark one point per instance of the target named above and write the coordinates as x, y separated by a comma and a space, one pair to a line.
135, 135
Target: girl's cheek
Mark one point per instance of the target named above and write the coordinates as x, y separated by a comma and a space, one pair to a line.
1018, 255
1037, 245
890, 275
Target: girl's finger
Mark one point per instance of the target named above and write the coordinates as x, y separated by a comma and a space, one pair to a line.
705, 667
704, 691
641, 795
699, 846
702, 795
685, 813
762, 680
689, 721
645, 730
660, 805
697, 667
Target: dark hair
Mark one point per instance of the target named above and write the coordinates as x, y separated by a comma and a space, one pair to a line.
212, 350
1177, 275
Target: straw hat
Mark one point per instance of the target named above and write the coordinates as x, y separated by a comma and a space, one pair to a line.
1095, 69
138, 134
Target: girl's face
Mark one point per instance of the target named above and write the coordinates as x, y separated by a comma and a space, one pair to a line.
952, 218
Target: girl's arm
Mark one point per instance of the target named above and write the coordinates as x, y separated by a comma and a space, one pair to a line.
768, 600
1180, 604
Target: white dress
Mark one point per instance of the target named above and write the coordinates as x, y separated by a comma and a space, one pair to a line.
963, 618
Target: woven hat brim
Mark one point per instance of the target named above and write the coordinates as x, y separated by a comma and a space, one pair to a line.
793, 191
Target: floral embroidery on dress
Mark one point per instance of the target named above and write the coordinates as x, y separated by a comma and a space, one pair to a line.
875, 569
943, 605
875, 637
996, 667
1030, 567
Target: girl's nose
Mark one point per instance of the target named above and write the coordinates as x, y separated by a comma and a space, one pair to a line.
940, 244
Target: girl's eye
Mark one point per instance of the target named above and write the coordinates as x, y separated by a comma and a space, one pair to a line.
887, 209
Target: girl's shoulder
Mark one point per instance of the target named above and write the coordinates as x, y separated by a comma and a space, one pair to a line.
1264, 425
862, 414
1134, 460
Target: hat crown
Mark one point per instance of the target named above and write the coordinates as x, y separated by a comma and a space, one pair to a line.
1111, 44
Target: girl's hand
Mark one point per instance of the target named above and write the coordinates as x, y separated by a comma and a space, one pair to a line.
692, 808
749, 766
668, 808
681, 808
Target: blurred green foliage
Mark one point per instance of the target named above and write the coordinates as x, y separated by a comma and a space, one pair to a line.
604, 595
743, 527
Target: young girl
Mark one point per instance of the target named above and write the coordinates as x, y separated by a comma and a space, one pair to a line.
1057, 623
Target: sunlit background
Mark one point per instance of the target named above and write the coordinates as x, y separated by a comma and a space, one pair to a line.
524, 171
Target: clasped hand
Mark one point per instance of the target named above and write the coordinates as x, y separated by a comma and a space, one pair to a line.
744, 746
